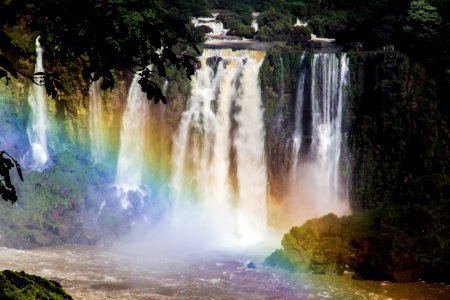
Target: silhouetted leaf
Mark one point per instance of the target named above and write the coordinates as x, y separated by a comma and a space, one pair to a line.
5, 41
7, 190
50, 87
161, 70
58, 84
19, 171
155, 58
97, 76
196, 48
170, 56
6, 64
107, 84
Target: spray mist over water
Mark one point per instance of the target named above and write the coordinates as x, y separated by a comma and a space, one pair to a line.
38, 123
317, 186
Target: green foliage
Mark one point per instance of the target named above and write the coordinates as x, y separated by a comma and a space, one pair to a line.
103, 36
273, 26
233, 20
22, 286
397, 132
48, 210
423, 21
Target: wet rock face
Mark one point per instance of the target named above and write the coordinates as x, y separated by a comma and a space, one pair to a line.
279, 74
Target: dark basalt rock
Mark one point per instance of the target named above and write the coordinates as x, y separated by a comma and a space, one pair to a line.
251, 266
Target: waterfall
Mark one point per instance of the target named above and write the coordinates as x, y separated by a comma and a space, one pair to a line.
96, 130
218, 154
255, 25
38, 122
212, 22
298, 112
282, 85
318, 137
130, 164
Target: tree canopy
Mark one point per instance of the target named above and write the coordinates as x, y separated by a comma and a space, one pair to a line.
97, 37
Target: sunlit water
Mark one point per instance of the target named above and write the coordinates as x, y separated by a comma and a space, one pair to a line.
38, 119
88, 272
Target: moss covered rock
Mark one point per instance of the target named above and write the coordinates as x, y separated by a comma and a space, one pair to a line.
22, 286
394, 242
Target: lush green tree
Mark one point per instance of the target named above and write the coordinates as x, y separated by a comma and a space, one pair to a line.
423, 21
97, 37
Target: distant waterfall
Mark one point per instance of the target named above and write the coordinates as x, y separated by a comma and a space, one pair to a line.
130, 165
318, 137
38, 122
218, 155
96, 130
212, 22
255, 21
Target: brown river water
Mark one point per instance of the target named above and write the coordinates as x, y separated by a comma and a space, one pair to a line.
93, 272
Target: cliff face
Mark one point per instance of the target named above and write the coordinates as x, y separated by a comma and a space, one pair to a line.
279, 75
398, 137
398, 140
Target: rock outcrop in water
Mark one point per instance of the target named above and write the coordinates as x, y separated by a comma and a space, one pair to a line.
394, 243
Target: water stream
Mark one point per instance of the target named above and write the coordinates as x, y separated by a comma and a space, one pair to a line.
218, 155
318, 139
130, 162
38, 121
96, 127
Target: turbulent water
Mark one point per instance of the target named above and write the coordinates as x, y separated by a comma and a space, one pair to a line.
97, 273
96, 128
38, 122
218, 155
318, 139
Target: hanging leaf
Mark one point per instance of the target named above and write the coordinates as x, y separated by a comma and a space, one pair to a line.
161, 70
7, 65
97, 75
7, 190
3, 73
19, 170
155, 58
58, 85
